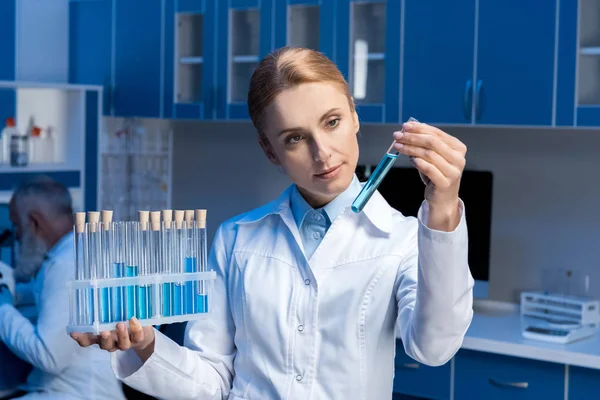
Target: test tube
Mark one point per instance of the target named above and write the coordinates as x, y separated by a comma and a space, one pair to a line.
202, 295
156, 260
190, 261
167, 264
144, 293
377, 176
82, 307
105, 265
179, 251
118, 270
94, 254
131, 266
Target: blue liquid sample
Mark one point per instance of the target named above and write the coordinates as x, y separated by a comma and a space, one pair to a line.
188, 290
201, 303
373, 183
142, 302
104, 305
117, 294
166, 299
177, 299
130, 290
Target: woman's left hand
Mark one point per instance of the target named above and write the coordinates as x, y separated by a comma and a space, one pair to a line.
440, 160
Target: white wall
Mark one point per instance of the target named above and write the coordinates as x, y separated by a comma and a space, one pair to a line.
546, 193
42, 40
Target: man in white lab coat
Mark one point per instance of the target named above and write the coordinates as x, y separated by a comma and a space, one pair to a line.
42, 213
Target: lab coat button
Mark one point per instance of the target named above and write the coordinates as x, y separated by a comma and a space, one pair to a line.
316, 235
298, 377
300, 328
307, 282
318, 217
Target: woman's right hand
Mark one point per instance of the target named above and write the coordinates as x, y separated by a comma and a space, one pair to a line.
138, 338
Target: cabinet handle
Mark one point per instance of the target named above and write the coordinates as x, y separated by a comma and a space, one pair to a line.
479, 101
410, 366
518, 385
468, 100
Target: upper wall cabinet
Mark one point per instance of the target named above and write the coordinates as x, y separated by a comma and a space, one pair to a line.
7, 49
368, 54
190, 59
479, 61
244, 32
579, 64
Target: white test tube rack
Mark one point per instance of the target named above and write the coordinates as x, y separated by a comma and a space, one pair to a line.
153, 270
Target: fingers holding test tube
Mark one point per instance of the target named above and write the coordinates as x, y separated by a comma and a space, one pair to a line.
440, 159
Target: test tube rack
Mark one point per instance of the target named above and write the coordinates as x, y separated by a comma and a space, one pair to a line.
154, 269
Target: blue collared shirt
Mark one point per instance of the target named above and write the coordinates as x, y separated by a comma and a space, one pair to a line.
314, 223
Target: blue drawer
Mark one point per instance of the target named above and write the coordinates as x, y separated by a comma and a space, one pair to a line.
479, 375
584, 383
416, 379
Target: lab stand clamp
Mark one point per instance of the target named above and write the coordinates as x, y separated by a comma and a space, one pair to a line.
154, 269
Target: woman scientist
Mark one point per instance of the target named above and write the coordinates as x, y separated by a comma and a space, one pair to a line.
310, 297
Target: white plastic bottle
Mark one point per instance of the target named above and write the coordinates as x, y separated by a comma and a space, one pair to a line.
9, 130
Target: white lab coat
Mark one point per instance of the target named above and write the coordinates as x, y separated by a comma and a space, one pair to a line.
61, 369
289, 328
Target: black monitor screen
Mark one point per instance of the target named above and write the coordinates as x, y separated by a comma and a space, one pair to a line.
403, 189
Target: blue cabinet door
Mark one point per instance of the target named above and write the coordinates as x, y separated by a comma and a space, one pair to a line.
138, 50
367, 44
481, 375
416, 379
90, 45
439, 48
190, 59
515, 62
7, 66
584, 383
567, 64
244, 37
305, 23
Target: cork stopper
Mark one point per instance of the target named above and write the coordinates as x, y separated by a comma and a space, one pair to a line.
155, 220
189, 216
79, 222
106, 219
179, 218
167, 216
93, 218
201, 218
143, 217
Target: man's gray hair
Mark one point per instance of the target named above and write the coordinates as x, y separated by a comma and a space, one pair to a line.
45, 195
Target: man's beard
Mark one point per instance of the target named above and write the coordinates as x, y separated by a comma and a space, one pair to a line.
32, 254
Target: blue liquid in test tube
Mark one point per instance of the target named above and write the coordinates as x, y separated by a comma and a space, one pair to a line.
117, 293
130, 271
143, 291
376, 177
190, 266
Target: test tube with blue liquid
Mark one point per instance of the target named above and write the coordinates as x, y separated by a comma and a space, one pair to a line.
178, 262
83, 308
131, 266
156, 259
105, 263
190, 253
144, 293
94, 261
202, 252
377, 176
117, 293
167, 264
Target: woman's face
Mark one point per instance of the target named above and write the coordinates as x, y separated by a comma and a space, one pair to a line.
311, 133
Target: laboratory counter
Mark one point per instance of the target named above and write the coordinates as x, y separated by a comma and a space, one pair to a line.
496, 328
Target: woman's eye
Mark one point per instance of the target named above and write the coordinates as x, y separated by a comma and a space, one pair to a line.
333, 123
294, 139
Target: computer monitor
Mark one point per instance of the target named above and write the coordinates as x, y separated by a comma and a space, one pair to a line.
403, 190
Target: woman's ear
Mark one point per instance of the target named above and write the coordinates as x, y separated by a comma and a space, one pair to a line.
268, 149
